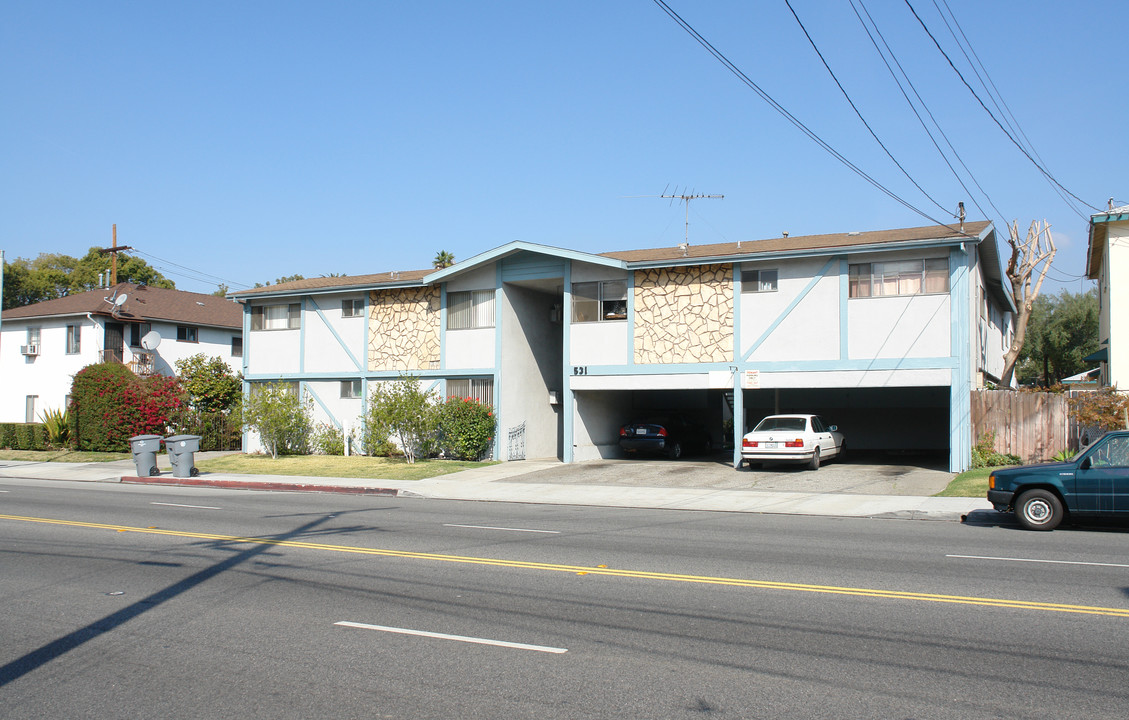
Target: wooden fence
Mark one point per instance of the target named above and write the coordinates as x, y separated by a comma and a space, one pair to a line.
1034, 426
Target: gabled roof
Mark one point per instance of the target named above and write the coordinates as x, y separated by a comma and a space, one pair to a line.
1099, 234
143, 304
973, 232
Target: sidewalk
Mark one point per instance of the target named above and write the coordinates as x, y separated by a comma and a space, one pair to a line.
504, 483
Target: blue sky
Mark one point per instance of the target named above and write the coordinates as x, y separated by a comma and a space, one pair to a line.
244, 141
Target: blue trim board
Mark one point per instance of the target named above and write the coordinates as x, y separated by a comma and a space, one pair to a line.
788, 310
246, 365
960, 386
499, 301
332, 418
336, 335
373, 375
365, 339
737, 300
515, 247
877, 364
630, 318
568, 414
738, 418
302, 337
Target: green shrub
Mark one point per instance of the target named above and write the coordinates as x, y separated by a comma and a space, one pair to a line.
327, 439
465, 428
986, 455
23, 436
56, 423
402, 411
280, 417
109, 405
1064, 455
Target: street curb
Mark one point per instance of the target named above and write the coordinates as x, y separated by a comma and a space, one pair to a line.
251, 485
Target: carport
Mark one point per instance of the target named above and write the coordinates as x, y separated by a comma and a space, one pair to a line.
884, 419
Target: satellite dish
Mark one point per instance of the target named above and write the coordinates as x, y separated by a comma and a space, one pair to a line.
151, 340
120, 299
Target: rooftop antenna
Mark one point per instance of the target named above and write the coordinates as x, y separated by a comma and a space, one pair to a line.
686, 197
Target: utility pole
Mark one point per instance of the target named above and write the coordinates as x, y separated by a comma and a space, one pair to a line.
686, 198
114, 250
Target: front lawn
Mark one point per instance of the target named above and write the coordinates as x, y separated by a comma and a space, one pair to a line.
354, 466
970, 483
74, 456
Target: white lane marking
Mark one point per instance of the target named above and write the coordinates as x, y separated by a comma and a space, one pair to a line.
1032, 560
459, 638
198, 507
489, 527
5, 491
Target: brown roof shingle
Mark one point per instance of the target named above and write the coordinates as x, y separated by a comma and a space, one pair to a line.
143, 304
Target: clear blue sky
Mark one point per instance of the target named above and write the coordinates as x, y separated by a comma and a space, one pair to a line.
252, 140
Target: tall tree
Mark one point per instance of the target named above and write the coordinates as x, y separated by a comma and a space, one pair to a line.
1061, 331
53, 275
443, 259
1029, 262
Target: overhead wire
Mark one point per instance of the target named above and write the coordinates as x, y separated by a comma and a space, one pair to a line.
858, 112
198, 275
1046, 173
971, 195
736, 71
993, 92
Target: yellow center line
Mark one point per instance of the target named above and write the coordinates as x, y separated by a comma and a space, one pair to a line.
612, 572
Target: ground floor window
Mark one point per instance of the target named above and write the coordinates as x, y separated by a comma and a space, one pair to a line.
351, 388
480, 389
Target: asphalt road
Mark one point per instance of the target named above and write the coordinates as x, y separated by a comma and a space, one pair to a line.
127, 601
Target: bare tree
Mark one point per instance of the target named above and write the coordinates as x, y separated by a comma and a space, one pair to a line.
1029, 262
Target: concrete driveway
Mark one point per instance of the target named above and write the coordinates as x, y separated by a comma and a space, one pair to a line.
860, 474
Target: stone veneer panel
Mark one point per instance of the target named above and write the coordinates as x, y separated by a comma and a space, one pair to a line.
684, 315
403, 329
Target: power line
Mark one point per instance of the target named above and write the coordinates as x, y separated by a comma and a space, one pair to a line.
925, 106
857, 112
198, 275
1023, 150
787, 115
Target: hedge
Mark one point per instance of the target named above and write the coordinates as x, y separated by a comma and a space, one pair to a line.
23, 436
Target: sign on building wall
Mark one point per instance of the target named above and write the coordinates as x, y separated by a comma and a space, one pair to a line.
751, 380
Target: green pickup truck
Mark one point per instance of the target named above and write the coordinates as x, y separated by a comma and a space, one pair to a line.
1095, 482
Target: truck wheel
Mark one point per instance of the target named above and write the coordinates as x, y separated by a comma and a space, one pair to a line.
1038, 510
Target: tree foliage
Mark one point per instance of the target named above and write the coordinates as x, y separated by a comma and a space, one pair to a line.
109, 405
54, 275
401, 410
1104, 409
443, 259
280, 417
1061, 330
210, 383
283, 279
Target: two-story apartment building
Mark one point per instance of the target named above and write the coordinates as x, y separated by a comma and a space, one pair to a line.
885, 333
1107, 260
43, 345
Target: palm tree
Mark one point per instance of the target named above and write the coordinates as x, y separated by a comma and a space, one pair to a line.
443, 259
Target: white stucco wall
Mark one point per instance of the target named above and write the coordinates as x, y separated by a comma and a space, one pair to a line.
329, 333
466, 349
50, 374
600, 343
810, 330
1117, 329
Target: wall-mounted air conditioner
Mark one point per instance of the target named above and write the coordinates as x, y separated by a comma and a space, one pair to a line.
32, 349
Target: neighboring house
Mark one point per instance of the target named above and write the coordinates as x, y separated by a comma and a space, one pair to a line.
883, 333
43, 345
1107, 261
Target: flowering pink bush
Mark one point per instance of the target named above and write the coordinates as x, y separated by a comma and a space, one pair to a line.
466, 428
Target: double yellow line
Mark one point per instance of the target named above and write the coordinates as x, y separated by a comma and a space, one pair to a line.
606, 571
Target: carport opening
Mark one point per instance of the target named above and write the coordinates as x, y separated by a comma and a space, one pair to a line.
602, 413
907, 425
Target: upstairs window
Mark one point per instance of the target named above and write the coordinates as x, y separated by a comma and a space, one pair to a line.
138, 331
599, 301
903, 277
276, 317
74, 339
753, 281
352, 308
187, 333
470, 309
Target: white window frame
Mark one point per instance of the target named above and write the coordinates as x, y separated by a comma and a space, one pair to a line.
74, 339
276, 317
758, 281
470, 309
599, 301
898, 278
351, 389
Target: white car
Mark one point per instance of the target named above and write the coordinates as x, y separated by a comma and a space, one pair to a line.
793, 438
